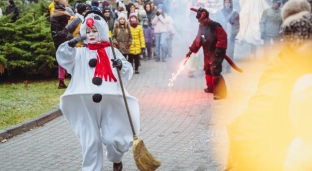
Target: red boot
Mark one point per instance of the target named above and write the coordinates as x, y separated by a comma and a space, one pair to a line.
209, 88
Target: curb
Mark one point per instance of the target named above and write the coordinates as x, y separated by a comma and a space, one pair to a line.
25, 126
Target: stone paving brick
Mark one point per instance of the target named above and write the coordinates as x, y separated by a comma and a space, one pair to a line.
183, 127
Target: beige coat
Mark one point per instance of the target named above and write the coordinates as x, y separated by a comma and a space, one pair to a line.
122, 37
160, 24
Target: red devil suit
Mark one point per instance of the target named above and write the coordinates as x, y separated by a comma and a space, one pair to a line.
213, 39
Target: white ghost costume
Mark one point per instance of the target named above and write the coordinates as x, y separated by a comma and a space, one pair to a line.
86, 117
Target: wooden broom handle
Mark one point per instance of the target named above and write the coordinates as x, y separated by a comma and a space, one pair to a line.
122, 88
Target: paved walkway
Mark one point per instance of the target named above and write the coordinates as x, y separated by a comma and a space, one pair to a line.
183, 127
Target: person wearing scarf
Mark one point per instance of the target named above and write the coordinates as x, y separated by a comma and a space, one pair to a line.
93, 102
149, 13
138, 42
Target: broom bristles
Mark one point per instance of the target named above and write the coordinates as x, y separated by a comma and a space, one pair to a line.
143, 158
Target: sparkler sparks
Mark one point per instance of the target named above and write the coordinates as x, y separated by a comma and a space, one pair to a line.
175, 75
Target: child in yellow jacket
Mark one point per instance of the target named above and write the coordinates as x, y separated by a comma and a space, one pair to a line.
138, 42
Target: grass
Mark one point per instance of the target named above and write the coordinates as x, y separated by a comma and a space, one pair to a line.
23, 101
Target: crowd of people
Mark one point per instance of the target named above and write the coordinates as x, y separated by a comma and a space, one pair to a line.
140, 30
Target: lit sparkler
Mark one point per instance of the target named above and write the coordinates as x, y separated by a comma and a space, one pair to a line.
175, 75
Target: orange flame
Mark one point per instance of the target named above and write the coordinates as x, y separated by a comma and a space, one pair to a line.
175, 75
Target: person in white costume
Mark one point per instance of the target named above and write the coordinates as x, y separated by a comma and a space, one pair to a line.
93, 104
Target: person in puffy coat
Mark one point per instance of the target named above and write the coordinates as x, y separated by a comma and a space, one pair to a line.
261, 136
138, 42
148, 37
160, 30
122, 37
93, 102
59, 20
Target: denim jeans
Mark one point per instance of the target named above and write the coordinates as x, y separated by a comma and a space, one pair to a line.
160, 40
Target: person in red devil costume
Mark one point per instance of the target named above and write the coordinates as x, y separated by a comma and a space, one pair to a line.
212, 37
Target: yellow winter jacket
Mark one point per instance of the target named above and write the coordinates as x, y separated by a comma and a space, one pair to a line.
51, 8
138, 41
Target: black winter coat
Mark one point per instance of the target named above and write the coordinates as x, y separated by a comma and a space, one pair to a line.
59, 33
110, 22
150, 15
9, 9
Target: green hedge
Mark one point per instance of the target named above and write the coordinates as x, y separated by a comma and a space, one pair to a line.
26, 46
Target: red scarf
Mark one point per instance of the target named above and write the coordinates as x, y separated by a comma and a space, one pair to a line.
134, 24
103, 67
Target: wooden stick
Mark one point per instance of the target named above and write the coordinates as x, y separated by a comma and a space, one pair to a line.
122, 88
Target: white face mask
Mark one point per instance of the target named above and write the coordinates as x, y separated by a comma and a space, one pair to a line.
92, 35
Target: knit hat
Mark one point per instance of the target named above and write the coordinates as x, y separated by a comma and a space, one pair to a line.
81, 8
145, 20
160, 6
297, 20
106, 9
122, 15
120, 3
133, 15
105, 4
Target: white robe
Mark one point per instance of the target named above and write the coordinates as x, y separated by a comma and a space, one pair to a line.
86, 117
249, 18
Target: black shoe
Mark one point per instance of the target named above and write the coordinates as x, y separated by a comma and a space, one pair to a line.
62, 85
117, 166
137, 72
157, 60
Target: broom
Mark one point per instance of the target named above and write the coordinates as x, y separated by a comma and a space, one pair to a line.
143, 158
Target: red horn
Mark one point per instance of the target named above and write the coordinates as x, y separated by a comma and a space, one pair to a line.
90, 22
193, 9
203, 15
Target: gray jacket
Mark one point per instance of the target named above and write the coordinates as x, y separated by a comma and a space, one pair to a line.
270, 23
